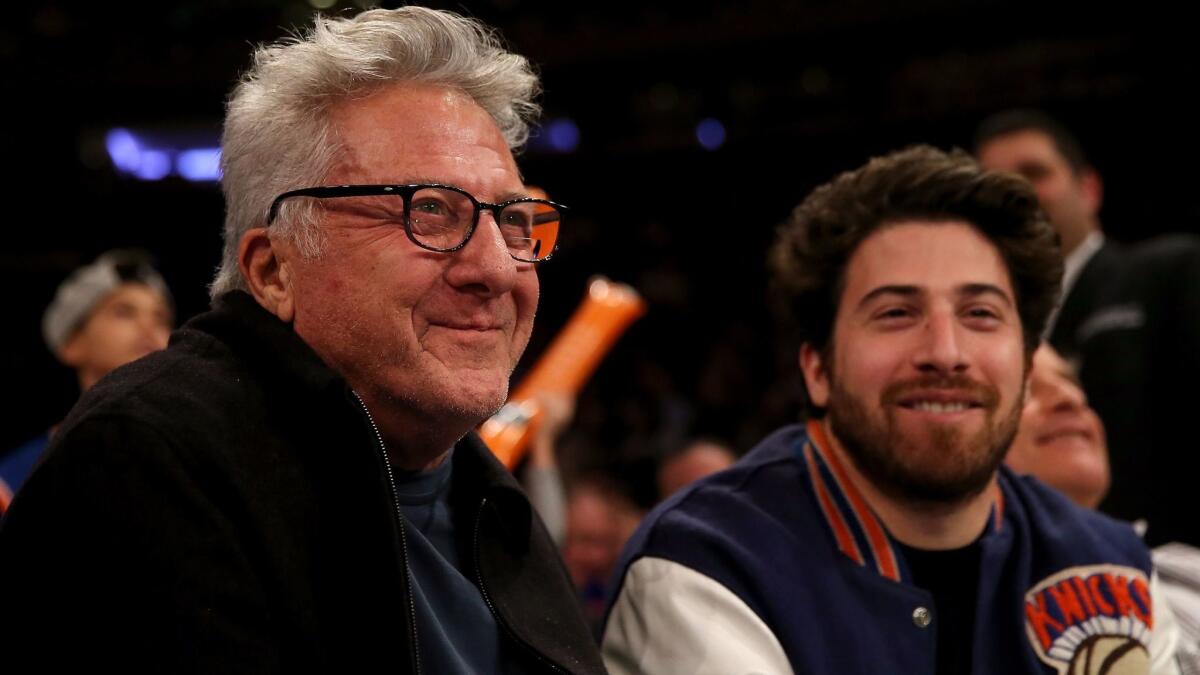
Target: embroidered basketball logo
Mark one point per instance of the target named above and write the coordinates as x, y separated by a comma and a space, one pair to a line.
1093, 620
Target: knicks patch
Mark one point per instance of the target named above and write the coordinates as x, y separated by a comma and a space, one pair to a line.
1092, 620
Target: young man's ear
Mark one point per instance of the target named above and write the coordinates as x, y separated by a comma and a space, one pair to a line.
816, 375
264, 265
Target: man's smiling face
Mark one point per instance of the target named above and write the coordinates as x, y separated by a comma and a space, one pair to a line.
925, 372
427, 335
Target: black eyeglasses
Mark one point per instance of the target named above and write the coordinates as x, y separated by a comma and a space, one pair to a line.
442, 217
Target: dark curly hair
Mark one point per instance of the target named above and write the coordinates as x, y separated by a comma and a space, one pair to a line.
808, 259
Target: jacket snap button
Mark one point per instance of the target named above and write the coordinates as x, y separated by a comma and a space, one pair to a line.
922, 617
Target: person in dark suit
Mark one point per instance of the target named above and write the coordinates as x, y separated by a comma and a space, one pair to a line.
1129, 320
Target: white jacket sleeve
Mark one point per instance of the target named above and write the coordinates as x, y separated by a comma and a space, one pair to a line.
668, 619
1164, 639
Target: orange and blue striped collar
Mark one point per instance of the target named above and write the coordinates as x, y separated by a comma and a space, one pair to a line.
856, 529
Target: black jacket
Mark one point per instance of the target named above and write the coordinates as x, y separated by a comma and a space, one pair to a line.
1132, 324
224, 506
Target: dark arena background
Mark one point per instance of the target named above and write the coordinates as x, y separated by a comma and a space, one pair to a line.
680, 134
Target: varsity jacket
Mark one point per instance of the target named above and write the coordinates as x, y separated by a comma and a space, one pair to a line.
778, 565
225, 506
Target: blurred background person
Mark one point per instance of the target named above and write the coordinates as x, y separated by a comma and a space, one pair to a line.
104, 315
1061, 439
604, 507
1061, 442
690, 462
1129, 320
539, 471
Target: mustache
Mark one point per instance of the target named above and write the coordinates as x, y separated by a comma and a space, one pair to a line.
984, 394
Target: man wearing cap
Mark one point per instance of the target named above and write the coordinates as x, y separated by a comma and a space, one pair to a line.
106, 314
294, 485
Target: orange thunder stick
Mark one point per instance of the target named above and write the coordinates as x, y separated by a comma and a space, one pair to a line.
605, 313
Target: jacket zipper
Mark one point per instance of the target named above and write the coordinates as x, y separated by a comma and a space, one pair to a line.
492, 608
387, 465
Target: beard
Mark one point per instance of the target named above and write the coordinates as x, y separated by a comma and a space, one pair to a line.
943, 465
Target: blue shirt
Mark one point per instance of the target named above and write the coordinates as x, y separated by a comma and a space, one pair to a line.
457, 633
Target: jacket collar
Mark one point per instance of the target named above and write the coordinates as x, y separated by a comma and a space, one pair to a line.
479, 473
267, 345
856, 530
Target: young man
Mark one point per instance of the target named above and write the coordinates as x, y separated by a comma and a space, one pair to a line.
294, 484
884, 536
106, 314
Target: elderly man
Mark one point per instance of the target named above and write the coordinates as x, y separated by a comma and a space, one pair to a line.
1130, 323
885, 536
293, 486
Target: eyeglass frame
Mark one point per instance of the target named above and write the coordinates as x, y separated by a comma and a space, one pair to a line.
406, 192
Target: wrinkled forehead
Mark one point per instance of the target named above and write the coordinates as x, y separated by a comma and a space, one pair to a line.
412, 130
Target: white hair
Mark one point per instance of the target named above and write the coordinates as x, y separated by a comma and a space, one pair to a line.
278, 135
